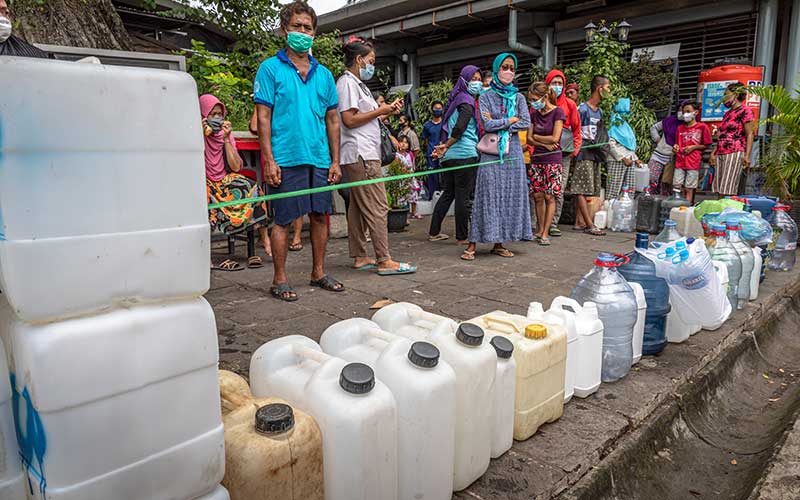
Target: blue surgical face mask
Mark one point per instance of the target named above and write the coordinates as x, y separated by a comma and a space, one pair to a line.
299, 42
538, 104
475, 88
367, 73
558, 89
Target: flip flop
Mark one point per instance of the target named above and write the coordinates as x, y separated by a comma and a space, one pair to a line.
545, 242
327, 283
255, 262
502, 252
555, 231
283, 292
468, 255
366, 267
405, 268
438, 237
295, 247
594, 231
229, 266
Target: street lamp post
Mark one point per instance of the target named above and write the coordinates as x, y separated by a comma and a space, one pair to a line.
590, 30
622, 31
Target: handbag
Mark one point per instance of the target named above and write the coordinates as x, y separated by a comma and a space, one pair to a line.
388, 150
490, 145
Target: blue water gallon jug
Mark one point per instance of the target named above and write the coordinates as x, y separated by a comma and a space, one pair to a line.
617, 309
656, 291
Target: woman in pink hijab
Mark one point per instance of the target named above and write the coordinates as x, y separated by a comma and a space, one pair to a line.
224, 183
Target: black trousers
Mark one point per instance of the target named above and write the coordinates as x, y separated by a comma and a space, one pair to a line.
458, 186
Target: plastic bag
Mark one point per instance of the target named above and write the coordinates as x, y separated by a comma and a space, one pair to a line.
694, 287
755, 230
715, 206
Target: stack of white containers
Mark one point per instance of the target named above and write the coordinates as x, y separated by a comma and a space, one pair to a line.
104, 256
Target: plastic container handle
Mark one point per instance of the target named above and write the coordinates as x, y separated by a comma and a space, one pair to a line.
502, 321
380, 334
422, 315
560, 302
312, 354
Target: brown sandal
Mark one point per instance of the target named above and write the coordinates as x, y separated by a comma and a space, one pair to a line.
255, 262
502, 252
229, 265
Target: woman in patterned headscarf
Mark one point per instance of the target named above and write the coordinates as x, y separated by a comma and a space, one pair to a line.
501, 211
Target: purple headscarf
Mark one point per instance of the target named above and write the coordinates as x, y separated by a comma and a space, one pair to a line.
670, 125
460, 94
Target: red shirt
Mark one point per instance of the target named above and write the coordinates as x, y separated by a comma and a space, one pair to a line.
697, 134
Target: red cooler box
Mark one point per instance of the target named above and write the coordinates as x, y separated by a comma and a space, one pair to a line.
711, 86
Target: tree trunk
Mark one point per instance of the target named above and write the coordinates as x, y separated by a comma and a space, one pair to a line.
74, 23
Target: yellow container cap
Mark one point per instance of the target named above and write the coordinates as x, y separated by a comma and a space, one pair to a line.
535, 331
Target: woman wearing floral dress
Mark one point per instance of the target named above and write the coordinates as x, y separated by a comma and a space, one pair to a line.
501, 211
734, 142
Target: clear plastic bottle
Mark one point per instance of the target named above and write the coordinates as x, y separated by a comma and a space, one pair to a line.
784, 231
748, 262
721, 250
623, 218
667, 235
617, 308
676, 200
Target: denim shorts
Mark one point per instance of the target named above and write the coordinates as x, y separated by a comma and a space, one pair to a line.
295, 179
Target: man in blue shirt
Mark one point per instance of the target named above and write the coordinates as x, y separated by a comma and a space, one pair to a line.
298, 131
432, 133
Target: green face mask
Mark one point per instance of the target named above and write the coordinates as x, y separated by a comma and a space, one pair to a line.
299, 42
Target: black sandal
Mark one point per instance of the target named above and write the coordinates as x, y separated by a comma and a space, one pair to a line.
283, 292
328, 283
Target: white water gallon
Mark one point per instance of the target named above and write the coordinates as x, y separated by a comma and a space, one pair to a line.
356, 413
724, 281
540, 353
638, 330
688, 225
424, 387
122, 405
474, 362
102, 187
13, 483
641, 177
755, 276
601, 219
677, 331
504, 396
411, 321
220, 493
589, 356
557, 317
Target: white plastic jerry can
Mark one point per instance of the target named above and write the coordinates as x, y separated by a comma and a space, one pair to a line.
474, 362
356, 414
540, 353
722, 273
143, 379
638, 330
558, 317
601, 219
677, 331
13, 483
424, 387
688, 225
411, 321
220, 493
755, 277
589, 352
504, 394
132, 248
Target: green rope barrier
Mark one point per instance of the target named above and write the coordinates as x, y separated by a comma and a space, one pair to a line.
334, 187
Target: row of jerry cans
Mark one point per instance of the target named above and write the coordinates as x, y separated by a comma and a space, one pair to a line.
120, 405
413, 405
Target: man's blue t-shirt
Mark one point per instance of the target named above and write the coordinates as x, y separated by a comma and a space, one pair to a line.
590, 121
299, 135
433, 133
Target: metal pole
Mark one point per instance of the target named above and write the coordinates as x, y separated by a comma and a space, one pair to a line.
765, 46
792, 80
399, 72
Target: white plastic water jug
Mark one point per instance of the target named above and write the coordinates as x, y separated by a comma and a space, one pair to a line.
220, 493
601, 219
589, 355
638, 330
688, 225
540, 353
641, 177
677, 331
475, 364
558, 317
102, 185
355, 412
755, 276
126, 401
411, 321
722, 273
13, 483
424, 388
504, 396
608, 207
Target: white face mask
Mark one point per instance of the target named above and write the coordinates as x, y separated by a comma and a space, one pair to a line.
5, 28
688, 117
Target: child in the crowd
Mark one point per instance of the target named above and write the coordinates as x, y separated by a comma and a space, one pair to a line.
691, 139
621, 150
406, 157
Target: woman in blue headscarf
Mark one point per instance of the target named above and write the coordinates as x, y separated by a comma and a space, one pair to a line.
621, 150
501, 211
